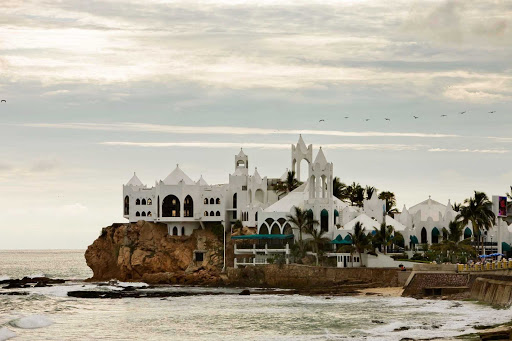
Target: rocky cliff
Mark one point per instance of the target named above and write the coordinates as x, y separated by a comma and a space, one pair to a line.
144, 251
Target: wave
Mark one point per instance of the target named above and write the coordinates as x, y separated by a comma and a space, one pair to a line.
31, 322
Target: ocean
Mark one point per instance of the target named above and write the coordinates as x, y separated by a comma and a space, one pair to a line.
49, 314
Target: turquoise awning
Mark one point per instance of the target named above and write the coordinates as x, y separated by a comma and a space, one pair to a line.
264, 236
505, 247
340, 241
435, 232
414, 239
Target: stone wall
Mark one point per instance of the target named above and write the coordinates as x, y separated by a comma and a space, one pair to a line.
303, 276
495, 292
426, 280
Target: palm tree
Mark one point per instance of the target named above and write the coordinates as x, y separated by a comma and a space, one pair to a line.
369, 190
456, 207
316, 241
478, 211
453, 245
291, 183
339, 189
384, 236
302, 220
390, 199
356, 194
360, 240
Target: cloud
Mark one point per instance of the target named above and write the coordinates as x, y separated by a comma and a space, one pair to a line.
466, 150
44, 166
225, 130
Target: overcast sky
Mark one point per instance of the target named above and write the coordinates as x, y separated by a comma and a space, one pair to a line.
96, 90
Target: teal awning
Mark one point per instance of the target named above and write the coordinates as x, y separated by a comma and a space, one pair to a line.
340, 241
505, 247
467, 233
414, 239
435, 232
348, 238
264, 236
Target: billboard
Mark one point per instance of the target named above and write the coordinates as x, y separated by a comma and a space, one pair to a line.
502, 206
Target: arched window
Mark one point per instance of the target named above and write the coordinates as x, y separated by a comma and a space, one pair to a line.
212, 201
188, 206
256, 216
217, 213
287, 229
435, 235
183, 230
281, 221
149, 214
126, 205
137, 202
174, 231
336, 215
143, 214
259, 195
158, 206
467, 233
234, 205
324, 220
424, 236
263, 229
137, 214
275, 229
206, 213
217, 201
311, 216
171, 206
150, 202
205, 201
212, 214
143, 202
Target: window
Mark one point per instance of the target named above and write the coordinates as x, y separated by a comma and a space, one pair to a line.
158, 206
212, 201
212, 214
143, 202
217, 201
174, 231
149, 214
143, 214
206, 213
150, 202
217, 214
137, 202
126, 205
137, 214
171, 206
188, 206
183, 230
199, 256
324, 220
205, 201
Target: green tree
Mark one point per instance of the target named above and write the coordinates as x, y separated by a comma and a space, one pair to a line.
317, 241
285, 187
478, 211
369, 190
339, 189
301, 220
390, 199
452, 246
360, 240
384, 236
356, 194
456, 207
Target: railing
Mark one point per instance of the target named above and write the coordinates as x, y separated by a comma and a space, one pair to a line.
262, 248
501, 265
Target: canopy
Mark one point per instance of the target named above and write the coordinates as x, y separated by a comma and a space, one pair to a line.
467, 233
264, 236
491, 255
505, 247
414, 239
340, 241
435, 232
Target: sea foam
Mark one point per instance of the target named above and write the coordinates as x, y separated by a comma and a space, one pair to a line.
31, 322
6, 334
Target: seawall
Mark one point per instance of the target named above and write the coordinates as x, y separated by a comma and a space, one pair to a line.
314, 277
492, 291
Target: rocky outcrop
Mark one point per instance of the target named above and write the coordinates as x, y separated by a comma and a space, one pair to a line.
144, 251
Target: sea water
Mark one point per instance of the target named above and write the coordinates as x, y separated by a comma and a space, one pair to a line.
49, 314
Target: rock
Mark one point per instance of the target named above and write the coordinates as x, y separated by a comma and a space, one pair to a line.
144, 251
377, 321
136, 294
401, 329
41, 284
498, 333
245, 292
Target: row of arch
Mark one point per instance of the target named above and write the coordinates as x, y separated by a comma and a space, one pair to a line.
143, 214
143, 201
435, 233
211, 201
212, 214
175, 231
279, 226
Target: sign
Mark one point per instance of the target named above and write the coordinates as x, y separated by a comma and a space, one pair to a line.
502, 206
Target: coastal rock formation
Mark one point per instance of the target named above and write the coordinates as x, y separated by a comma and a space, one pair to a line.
144, 251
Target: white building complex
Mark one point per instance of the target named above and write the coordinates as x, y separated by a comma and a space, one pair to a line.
184, 205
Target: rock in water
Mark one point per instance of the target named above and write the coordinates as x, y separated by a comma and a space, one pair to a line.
245, 292
144, 251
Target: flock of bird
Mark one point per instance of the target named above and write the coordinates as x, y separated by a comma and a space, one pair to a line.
414, 116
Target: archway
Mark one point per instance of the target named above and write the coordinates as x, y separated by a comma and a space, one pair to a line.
435, 235
183, 230
188, 206
264, 229
424, 236
143, 214
303, 170
212, 201
171, 206
174, 231
287, 229
275, 229
143, 202
467, 233
137, 214
217, 214
158, 206
235, 204
137, 202
324, 220
259, 195
126, 205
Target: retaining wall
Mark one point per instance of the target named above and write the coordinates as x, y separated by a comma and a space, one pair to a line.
492, 291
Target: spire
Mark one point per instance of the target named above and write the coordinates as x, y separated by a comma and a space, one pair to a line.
301, 144
201, 181
241, 153
134, 181
256, 175
176, 176
320, 157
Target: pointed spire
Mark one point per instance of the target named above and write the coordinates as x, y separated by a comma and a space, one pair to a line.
301, 144
320, 157
134, 181
241, 153
256, 175
201, 181
176, 176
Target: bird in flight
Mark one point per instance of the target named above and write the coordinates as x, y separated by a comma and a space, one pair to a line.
346, 116
387, 119
367, 119
3, 101
444, 115
492, 112
321, 121
462, 112
415, 117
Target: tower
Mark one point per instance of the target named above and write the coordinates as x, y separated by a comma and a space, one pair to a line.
320, 177
241, 163
301, 152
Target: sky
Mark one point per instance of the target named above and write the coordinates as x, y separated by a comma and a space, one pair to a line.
96, 90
